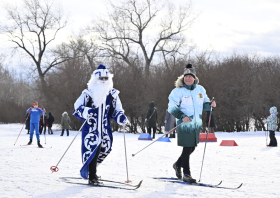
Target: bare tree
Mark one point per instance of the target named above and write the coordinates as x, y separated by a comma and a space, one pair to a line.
143, 28
31, 27
87, 49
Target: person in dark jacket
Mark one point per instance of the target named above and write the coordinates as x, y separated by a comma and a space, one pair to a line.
27, 123
65, 123
169, 124
50, 122
212, 121
43, 123
151, 118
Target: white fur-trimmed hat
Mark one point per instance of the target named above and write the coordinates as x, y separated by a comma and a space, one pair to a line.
101, 71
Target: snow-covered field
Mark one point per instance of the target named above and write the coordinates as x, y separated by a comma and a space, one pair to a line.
25, 171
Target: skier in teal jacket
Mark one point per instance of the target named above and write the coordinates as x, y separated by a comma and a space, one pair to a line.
186, 103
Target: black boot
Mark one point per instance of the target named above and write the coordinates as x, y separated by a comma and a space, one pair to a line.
95, 181
177, 171
30, 142
39, 145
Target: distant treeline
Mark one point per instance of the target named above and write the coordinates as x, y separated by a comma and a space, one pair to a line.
244, 87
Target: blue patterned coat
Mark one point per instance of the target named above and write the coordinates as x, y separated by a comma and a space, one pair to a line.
97, 129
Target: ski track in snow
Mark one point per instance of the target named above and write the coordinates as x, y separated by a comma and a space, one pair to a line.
25, 171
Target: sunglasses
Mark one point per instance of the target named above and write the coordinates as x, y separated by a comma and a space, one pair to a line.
101, 78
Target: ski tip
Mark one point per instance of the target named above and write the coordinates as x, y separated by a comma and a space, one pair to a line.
138, 186
240, 185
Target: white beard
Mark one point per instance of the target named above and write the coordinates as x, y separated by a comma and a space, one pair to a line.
99, 89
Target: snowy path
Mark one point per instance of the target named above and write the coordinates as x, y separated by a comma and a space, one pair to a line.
25, 171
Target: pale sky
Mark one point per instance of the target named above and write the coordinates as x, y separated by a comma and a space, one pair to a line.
225, 26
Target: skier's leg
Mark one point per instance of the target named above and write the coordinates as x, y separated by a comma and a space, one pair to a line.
273, 138
67, 132
149, 130
177, 167
154, 132
93, 165
187, 151
36, 126
31, 131
62, 132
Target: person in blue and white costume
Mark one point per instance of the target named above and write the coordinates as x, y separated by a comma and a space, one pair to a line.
186, 103
96, 106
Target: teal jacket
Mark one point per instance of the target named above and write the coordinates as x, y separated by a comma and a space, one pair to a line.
188, 101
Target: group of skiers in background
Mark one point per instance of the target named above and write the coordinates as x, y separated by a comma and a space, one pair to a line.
38, 121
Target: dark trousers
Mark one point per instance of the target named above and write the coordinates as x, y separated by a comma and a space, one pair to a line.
154, 130
184, 159
41, 129
62, 132
171, 135
273, 141
93, 163
50, 130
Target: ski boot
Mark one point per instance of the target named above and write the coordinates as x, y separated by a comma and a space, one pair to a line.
188, 178
39, 145
95, 181
30, 142
177, 170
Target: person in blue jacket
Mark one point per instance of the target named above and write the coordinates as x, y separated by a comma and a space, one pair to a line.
35, 113
186, 103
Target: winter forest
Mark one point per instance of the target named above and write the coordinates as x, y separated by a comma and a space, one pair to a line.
145, 45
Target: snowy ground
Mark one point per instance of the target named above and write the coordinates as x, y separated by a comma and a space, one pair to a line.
25, 171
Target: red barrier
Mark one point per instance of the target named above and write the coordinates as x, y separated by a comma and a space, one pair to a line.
228, 143
211, 137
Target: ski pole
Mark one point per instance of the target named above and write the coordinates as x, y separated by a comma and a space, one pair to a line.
206, 139
266, 134
55, 168
127, 181
157, 139
44, 126
22, 127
